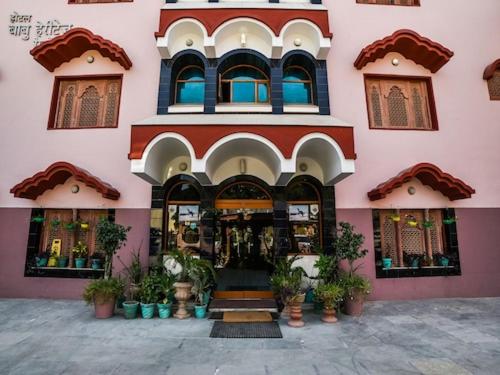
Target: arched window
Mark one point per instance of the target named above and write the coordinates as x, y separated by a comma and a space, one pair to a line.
89, 111
190, 86
297, 86
244, 84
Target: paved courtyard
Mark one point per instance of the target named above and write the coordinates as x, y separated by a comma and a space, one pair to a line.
454, 336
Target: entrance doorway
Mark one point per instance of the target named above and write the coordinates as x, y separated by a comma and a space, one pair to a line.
243, 237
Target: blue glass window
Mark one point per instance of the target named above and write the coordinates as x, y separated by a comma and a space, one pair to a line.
244, 84
190, 86
297, 86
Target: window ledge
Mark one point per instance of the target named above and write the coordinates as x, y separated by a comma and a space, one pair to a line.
237, 108
64, 273
186, 108
300, 108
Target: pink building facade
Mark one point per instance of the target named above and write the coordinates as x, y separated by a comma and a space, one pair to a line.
243, 132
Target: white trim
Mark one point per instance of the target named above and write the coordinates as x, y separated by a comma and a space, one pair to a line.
244, 5
242, 119
186, 108
162, 43
298, 108
238, 108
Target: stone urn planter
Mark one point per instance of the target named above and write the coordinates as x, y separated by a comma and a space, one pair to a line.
329, 315
296, 315
182, 294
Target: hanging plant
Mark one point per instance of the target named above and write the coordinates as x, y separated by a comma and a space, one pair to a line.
70, 226
428, 224
449, 220
38, 219
396, 218
55, 223
84, 226
411, 221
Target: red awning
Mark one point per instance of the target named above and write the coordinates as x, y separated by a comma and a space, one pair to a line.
490, 69
73, 43
411, 45
57, 174
429, 175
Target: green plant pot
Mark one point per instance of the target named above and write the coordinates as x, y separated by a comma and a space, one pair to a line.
41, 262
147, 310
415, 263
62, 262
200, 311
130, 309
310, 296
387, 262
444, 262
164, 310
80, 262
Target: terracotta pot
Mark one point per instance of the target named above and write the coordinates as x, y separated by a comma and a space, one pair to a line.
329, 316
296, 315
354, 305
182, 294
105, 310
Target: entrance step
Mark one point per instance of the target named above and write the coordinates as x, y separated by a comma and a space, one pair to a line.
247, 316
243, 294
222, 305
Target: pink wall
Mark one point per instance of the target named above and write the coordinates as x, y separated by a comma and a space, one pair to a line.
14, 227
478, 238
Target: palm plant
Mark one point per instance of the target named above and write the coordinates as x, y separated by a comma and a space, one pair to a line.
286, 280
330, 294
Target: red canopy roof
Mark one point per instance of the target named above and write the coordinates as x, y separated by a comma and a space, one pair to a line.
429, 175
73, 43
411, 45
57, 174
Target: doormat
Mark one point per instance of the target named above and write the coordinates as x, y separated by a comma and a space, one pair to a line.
225, 330
247, 317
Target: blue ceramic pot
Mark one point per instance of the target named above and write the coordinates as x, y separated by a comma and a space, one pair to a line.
80, 262
164, 310
200, 311
62, 262
130, 309
444, 262
96, 264
309, 296
387, 262
147, 310
415, 262
41, 262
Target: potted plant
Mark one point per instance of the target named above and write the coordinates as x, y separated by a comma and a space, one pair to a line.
62, 261
53, 259
348, 245
38, 219
443, 260
97, 259
103, 294
386, 262
202, 277
149, 295
134, 274
84, 225
110, 238
412, 260
80, 252
185, 264
165, 286
55, 223
42, 259
330, 294
356, 288
428, 224
449, 220
396, 218
70, 226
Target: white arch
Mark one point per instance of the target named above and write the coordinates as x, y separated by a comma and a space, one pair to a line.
228, 37
157, 156
178, 33
244, 144
327, 153
311, 36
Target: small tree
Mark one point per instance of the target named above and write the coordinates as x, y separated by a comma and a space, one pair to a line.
348, 245
110, 237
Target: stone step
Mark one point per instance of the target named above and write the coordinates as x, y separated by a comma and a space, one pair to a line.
221, 305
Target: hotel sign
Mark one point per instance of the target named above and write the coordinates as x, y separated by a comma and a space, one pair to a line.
21, 26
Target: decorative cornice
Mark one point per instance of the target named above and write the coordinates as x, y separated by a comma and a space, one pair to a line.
490, 69
411, 45
429, 175
54, 52
57, 174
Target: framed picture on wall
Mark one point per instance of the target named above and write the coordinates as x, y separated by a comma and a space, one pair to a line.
298, 212
188, 213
